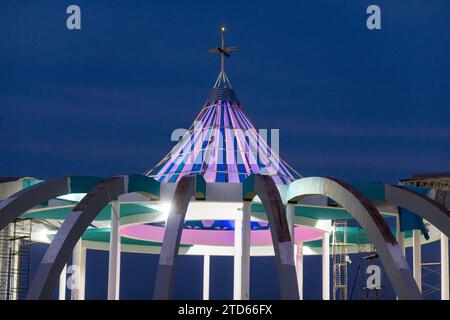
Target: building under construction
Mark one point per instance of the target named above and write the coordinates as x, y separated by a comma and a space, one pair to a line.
222, 191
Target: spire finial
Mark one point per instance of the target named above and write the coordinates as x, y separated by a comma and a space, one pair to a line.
223, 53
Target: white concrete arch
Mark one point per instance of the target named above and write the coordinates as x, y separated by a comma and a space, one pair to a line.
171, 242
25, 199
77, 222
264, 187
422, 205
372, 222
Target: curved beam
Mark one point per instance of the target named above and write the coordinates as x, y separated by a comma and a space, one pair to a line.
77, 222
12, 207
171, 242
266, 190
369, 218
423, 206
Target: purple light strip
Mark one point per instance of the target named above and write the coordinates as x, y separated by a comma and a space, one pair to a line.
184, 144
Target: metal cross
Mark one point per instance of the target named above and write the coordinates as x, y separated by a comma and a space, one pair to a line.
223, 51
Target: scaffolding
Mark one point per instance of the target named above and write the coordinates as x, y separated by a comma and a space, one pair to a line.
371, 293
431, 271
15, 242
359, 284
431, 278
363, 244
340, 260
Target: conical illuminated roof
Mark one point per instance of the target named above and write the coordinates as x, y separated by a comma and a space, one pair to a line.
222, 144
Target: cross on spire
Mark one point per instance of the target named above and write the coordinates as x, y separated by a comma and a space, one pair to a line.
223, 53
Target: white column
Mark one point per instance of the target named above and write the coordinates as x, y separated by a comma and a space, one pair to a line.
62, 283
326, 266
417, 258
299, 268
298, 247
241, 287
444, 268
290, 215
114, 253
206, 276
400, 236
79, 261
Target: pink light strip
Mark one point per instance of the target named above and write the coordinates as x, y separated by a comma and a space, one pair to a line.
213, 237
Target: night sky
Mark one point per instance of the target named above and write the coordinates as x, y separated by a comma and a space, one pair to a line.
352, 103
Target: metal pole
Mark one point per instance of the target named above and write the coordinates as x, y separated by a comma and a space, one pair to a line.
222, 54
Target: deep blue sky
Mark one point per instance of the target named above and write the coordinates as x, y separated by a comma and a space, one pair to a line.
350, 103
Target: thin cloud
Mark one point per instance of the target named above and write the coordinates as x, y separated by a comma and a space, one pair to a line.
367, 130
368, 160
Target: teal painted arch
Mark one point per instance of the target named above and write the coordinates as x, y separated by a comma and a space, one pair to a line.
38, 193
